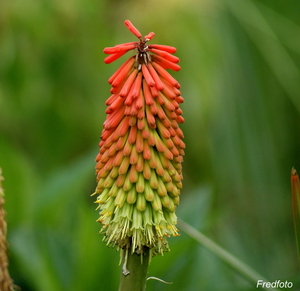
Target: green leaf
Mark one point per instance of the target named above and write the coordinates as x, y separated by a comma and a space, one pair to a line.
239, 266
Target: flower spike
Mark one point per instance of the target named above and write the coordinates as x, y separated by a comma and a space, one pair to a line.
296, 206
6, 283
139, 172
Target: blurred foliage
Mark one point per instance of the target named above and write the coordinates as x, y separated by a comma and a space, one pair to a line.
241, 82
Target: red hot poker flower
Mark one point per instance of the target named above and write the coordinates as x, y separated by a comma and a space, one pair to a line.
138, 167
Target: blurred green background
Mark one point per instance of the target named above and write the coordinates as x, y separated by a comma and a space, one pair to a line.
240, 79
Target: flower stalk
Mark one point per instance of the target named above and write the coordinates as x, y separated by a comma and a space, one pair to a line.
136, 278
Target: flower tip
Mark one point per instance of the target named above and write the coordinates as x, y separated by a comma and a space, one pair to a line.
113, 57
149, 36
295, 179
132, 28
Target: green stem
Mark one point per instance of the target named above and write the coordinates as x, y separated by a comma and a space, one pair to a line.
224, 255
137, 267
